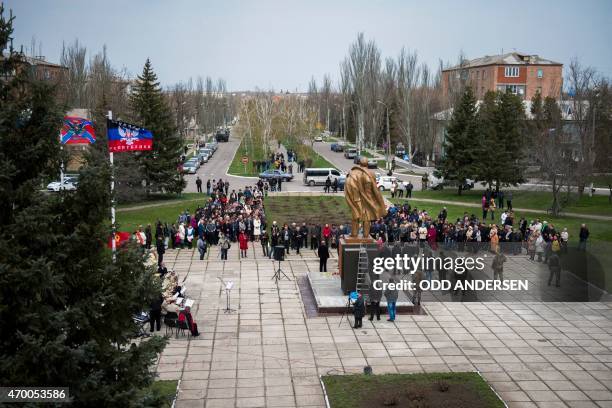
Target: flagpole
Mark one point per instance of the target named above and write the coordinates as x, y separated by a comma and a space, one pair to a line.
112, 190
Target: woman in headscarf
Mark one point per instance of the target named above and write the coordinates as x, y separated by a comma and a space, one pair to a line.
494, 237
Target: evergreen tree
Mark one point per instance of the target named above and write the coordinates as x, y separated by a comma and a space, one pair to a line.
150, 110
65, 307
500, 139
460, 154
486, 139
510, 141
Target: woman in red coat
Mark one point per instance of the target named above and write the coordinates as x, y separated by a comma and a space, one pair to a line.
326, 234
432, 237
244, 244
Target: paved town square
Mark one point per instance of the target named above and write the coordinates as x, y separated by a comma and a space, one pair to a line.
270, 352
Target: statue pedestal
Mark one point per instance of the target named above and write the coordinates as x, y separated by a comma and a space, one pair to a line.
348, 260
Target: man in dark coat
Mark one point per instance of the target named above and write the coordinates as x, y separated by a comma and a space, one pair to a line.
323, 253
155, 313
161, 250
375, 297
554, 266
199, 184
359, 311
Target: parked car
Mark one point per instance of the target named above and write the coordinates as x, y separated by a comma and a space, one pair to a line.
385, 182
337, 147
318, 139
69, 184
400, 150
212, 146
438, 183
191, 166
350, 153
318, 176
270, 174
205, 152
203, 156
341, 182
372, 164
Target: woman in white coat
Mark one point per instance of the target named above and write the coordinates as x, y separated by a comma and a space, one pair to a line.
257, 227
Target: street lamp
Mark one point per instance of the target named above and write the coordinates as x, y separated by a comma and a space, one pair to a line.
388, 165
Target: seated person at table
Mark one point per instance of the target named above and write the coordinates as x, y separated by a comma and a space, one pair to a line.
170, 287
185, 316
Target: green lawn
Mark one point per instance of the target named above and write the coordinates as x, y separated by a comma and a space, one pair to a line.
602, 181
128, 219
410, 390
166, 389
254, 153
536, 200
156, 199
304, 151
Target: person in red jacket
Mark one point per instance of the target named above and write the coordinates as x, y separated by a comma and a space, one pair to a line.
326, 234
244, 244
185, 316
432, 237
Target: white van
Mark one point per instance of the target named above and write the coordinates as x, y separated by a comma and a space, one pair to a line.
314, 177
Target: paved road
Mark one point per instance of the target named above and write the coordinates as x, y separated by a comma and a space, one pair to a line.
338, 160
218, 165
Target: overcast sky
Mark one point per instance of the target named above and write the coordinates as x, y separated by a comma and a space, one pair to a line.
281, 44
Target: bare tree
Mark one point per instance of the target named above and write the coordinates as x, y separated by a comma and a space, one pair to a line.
73, 58
264, 105
582, 85
407, 78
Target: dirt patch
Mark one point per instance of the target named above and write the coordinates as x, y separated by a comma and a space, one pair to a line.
318, 209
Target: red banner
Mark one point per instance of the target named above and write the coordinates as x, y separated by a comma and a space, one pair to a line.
120, 238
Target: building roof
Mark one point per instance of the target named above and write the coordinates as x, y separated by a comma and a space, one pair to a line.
511, 58
34, 61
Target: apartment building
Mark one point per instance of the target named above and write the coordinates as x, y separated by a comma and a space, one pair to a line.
521, 74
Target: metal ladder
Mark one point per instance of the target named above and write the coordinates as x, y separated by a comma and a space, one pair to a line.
363, 276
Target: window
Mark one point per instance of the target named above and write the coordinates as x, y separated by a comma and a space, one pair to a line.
513, 89
539, 90
511, 72
484, 74
540, 73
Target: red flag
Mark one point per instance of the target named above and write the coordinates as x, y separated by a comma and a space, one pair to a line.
120, 238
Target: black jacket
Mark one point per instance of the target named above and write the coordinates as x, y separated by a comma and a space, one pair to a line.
359, 307
323, 252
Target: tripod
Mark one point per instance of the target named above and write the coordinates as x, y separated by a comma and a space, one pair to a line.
277, 274
347, 312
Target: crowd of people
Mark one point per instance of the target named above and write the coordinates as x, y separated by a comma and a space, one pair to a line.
238, 217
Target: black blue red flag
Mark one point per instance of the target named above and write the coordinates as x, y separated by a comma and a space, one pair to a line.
125, 137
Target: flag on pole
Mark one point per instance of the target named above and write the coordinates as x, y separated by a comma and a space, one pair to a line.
77, 130
125, 137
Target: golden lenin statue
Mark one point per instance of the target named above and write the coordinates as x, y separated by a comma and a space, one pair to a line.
363, 197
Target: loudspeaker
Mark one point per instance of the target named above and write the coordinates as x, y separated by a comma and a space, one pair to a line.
279, 253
